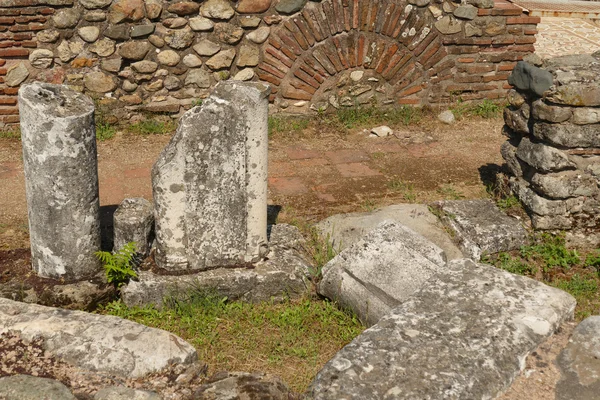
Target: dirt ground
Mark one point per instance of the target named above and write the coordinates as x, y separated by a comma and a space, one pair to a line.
314, 173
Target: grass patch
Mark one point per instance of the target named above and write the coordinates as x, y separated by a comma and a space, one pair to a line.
485, 109
550, 261
406, 189
293, 339
14, 133
281, 124
152, 127
449, 192
368, 116
105, 131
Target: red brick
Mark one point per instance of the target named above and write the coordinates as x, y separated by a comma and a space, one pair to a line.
267, 77
10, 119
274, 71
423, 45
356, 170
298, 84
295, 94
14, 52
468, 78
287, 39
7, 20
280, 56
340, 52
384, 62
396, 62
360, 55
530, 31
406, 101
525, 40
322, 22
506, 67
331, 52
347, 15
28, 27
503, 40
312, 24
522, 20
323, 60
2, 71
466, 60
484, 11
355, 12
276, 64
304, 77
507, 12
9, 110
373, 20
502, 76
337, 15
9, 91
389, 12
364, 16
409, 91
431, 50
29, 43
24, 20
329, 17
314, 64
296, 34
10, 101
2, 62
437, 57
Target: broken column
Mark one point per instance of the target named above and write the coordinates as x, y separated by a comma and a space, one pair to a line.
210, 182
61, 180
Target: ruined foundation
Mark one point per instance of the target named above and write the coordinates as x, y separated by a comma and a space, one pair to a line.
61, 180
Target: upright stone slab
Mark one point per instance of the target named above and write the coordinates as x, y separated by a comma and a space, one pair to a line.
133, 223
210, 182
61, 180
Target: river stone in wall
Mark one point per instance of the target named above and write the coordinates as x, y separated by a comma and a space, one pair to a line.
464, 335
381, 270
98, 343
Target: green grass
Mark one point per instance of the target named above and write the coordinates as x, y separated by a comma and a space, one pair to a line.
548, 260
281, 124
105, 131
366, 116
485, 109
406, 189
449, 192
14, 133
293, 339
152, 127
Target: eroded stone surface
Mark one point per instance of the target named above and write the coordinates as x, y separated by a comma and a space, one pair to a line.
380, 271
464, 335
481, 228
133, 222
243, 385
61, 180
99, 343
25, 387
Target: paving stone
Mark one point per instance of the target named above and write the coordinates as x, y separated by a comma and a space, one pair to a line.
287, 186
125, 393
343, 156
467, 312
353, 170
480, 227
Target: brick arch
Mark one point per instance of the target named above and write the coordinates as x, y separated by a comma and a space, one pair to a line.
393, 40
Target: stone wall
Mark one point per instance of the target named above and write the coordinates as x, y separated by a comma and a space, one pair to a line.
553, 151
162, 56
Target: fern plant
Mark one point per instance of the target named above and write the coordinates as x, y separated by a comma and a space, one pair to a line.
119, 266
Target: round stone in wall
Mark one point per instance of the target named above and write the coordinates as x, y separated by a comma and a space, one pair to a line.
221, 60
16, 75
89, 33
66, 18
48, 36
198, 77
103, 47
244, 75
134, 50
260, 35
184, 8
156, 40
95, 16
172, 83
180, 39
192, 61
175, 23
144, 67
248, 56
41, 58
168, 57
153, 8
201, 24
228, 33
93, 4
217, 9
99, 82
253, 6
249, 21
207, 48
129, 86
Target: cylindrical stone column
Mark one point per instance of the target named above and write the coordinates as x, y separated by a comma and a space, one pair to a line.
61, 180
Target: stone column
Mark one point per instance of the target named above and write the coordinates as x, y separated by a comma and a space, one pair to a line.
210, 182
61, 180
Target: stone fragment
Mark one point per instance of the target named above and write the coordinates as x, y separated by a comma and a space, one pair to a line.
144, 67
585, 115
192, 61
153, 8
168, 57
380, 271
282, 275
443, 327
184, 8
465, 11
535, 203
217, 9
154, 86
89, 33
134, 50
249, 21
172, 83
125, 393
26, 387
103, 47
175, 23
543, 157
98, 343
472, 29
260, 35
480, 227
419, 3
568, 135
156, 41
289, 6
253, 6
542, 110
221, 75
206, 48
356, 76
237, 385
141, 30
508, 150
129, 86
579, 363
222, 59
64, 52
272, 19
526, 77
133, 222
517, 119
382, 131
95, 16
180, 39
201, 24
130, 10
117, 32
41, 58
93, 4
224, 226
562, 185
448, 25
131, 99
198, 77
244, 75
99, 82
61, 178
66, 18
47, 36
580, 95
447, 117
481, 3
435, 11
228, 33
16, 75
248, 56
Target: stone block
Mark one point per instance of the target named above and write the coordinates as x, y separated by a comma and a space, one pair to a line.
26, 387
61, 180
531, 79
480, 227
562, 185
543, 157
517, 119
380, 271
133, 222
568, 135
463, 335
210, 182
542, 110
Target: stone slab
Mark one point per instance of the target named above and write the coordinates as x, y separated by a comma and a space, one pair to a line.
346, 229
568, 135
381, 270
579, 363
99, 343
464, 335
480, 227
25, 387
282, 275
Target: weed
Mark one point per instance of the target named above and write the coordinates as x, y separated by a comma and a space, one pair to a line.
578, 286
406, 189
322, 250
368, 205
508, 202
152, 127
484, 109
360, 116
197, 102
119, 266
550, 250
104, 131
450, 192
11, 133
515, 265
593, 260
279, 124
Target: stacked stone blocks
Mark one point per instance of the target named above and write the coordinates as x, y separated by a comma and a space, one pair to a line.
161, 56
553, 151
